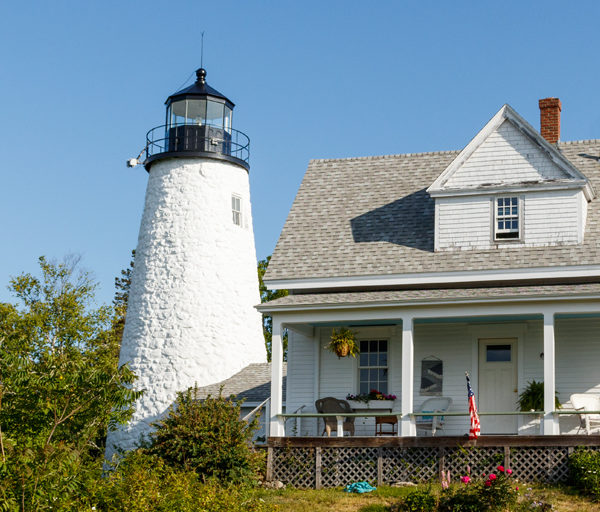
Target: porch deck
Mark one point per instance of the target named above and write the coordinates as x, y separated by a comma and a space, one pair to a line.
317, 462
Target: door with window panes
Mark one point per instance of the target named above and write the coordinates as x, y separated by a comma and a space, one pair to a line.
373, 366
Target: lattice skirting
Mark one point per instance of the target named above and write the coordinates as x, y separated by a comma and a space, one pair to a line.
318, 467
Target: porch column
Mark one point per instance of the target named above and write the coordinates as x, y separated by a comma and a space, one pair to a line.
407, 424
277, 425
550, 420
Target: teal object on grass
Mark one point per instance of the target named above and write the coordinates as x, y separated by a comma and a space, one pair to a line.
360, 487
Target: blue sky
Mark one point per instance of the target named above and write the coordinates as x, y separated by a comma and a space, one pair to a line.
82, 82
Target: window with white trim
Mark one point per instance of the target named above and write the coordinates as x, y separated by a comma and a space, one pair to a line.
508, 223
373, 366
236, 209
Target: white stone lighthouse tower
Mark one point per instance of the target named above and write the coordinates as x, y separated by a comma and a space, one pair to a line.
191, 316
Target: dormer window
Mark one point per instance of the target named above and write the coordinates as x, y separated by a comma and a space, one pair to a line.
508, 224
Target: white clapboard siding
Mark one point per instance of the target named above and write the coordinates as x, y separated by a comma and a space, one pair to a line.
301, 375
577, 358
548, 218
506, 156
463, 222
553, 217
452, 344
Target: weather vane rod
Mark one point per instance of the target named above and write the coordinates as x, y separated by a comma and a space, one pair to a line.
202, 50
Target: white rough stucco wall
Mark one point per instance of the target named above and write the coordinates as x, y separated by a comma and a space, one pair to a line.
191, 316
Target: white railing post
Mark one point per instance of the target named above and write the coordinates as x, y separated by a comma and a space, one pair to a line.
551, 426
277, 425
407, 427
268, 418
340, 426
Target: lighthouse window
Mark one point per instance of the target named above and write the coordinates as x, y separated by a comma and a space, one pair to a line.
214, 114
236, 209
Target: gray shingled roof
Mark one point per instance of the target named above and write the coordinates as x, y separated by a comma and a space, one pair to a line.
433, 295
372, 216
252, 383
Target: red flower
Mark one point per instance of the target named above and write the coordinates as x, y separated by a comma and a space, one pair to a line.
492, 476
465, 479
500, 468
488, 483
509, 471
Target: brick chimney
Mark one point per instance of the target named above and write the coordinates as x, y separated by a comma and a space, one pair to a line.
550, 119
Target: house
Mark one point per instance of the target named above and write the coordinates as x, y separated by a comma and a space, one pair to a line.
485, 260
252, 386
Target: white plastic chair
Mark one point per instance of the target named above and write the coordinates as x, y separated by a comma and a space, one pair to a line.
587, 402
433, 423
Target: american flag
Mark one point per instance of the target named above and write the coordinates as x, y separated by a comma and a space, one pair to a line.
475, 429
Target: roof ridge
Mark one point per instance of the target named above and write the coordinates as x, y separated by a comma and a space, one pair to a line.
425, 153
583, 141
377, 157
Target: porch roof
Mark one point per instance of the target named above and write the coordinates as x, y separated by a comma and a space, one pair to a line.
412, 297
252, 383
372, 216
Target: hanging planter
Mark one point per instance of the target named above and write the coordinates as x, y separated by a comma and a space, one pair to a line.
343, 343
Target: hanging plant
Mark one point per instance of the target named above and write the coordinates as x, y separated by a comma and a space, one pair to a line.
343, 343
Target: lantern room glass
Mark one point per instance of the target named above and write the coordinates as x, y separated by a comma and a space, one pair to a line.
199, 112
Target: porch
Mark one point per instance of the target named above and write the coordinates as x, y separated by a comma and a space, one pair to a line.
551, 339
318, 462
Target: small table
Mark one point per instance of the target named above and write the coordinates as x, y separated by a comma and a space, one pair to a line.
377, 406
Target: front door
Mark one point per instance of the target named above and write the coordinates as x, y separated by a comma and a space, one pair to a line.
498, 384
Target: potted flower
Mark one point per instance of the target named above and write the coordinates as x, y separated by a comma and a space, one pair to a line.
343, 343
532, 398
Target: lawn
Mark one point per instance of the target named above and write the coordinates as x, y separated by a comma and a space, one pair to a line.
385, 499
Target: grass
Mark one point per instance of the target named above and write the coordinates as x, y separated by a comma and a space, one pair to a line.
384, 499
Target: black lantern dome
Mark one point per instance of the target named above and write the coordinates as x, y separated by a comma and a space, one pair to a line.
198, 123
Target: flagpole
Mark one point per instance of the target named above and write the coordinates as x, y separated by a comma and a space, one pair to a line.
475, 427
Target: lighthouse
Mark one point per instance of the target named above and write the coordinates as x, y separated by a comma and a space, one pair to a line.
191, 317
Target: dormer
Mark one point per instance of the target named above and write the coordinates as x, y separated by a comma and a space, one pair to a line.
511, 187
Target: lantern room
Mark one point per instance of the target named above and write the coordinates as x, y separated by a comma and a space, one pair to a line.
198, 123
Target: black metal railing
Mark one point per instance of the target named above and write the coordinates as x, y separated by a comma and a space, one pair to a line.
194, 138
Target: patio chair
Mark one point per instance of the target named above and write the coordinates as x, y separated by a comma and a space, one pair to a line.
336, 407
433, 423
587, 402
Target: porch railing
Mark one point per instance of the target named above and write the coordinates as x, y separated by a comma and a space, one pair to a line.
340, 418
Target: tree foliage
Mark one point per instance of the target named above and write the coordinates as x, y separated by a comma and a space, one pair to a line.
267, 295
144, 482
61, 388
121, 300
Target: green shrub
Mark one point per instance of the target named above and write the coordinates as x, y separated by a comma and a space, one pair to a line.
496, 492
463, 498
421, 500
584, 472
208, 437
145, 482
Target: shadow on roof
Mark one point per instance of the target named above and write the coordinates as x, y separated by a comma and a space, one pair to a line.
409, 221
